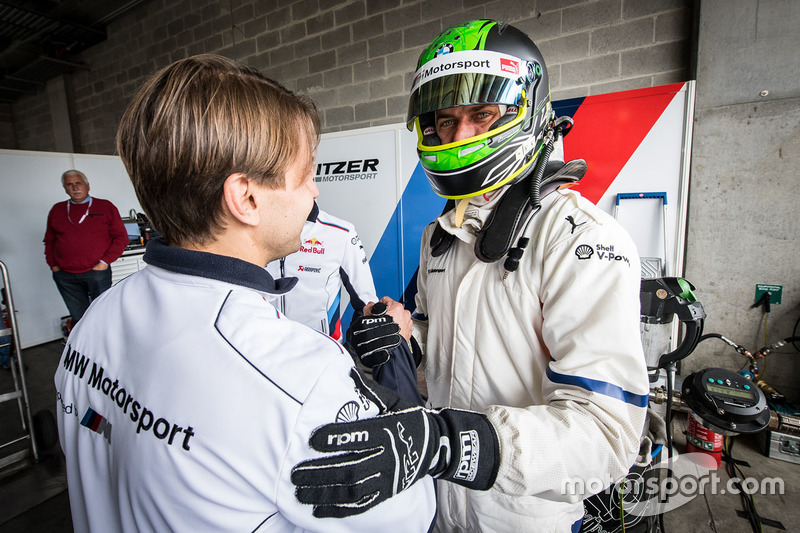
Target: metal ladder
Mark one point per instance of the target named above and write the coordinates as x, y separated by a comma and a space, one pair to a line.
652, 267
20, 392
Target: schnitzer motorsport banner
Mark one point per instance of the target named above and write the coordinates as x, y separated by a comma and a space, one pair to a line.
633, 142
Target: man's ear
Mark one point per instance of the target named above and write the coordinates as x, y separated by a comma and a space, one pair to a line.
240, 199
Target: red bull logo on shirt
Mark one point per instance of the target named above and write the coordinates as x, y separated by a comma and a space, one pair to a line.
313, 246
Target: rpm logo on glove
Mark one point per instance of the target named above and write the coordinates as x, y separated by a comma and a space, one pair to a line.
387, 454
375, 320
470, 454
346, 438
374, 335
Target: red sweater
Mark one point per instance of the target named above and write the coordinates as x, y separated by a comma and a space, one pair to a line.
76, 248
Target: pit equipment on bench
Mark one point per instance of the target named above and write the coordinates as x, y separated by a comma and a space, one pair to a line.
723, 401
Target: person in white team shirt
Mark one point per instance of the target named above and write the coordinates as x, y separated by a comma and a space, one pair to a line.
185, 397
331, 257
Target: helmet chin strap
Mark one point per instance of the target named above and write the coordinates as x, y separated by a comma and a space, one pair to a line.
521, 203
561, 127
461, 208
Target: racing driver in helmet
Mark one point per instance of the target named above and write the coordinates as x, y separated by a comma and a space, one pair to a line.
520, 313
527, 308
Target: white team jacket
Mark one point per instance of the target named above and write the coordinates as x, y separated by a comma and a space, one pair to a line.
331, 257
551, 352
185, 398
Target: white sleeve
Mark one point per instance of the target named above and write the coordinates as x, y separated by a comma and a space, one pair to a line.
595, 388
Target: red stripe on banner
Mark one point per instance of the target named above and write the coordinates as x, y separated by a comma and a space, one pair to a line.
609, 128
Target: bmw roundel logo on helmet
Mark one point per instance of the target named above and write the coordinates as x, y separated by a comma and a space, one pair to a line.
444, 49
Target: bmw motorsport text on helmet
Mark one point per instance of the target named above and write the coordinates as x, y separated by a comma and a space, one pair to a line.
480, 62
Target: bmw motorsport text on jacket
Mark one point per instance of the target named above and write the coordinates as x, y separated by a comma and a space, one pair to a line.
185, 399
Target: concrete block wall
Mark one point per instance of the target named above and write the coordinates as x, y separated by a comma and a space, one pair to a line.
7, 136
356, 58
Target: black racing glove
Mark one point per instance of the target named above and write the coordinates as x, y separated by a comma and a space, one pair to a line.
387, 454
374, 335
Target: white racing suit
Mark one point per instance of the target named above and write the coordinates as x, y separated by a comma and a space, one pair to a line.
185, 399
550, 352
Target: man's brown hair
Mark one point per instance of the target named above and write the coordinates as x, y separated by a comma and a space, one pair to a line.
196, 122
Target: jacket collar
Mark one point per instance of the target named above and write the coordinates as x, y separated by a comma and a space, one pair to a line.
213, 266
312, 216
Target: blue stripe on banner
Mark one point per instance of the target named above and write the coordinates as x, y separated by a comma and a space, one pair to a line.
409, 295
600, 387
567, 107
385, 261
421, 206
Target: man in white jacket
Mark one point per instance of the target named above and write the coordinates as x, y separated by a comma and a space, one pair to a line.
528, 294
184, 396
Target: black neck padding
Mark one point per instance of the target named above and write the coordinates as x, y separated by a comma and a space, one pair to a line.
507, 218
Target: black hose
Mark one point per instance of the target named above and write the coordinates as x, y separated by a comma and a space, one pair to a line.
668, 418
536, 181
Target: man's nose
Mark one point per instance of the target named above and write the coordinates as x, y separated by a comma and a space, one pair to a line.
465, 130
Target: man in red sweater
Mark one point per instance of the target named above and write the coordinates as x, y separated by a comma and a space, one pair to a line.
84, 236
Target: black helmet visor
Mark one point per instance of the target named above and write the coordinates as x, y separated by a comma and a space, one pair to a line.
465, 88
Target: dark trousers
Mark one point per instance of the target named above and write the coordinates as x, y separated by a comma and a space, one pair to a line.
78, 290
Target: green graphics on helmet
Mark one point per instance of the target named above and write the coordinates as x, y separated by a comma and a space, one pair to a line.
468, 36
480, 62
